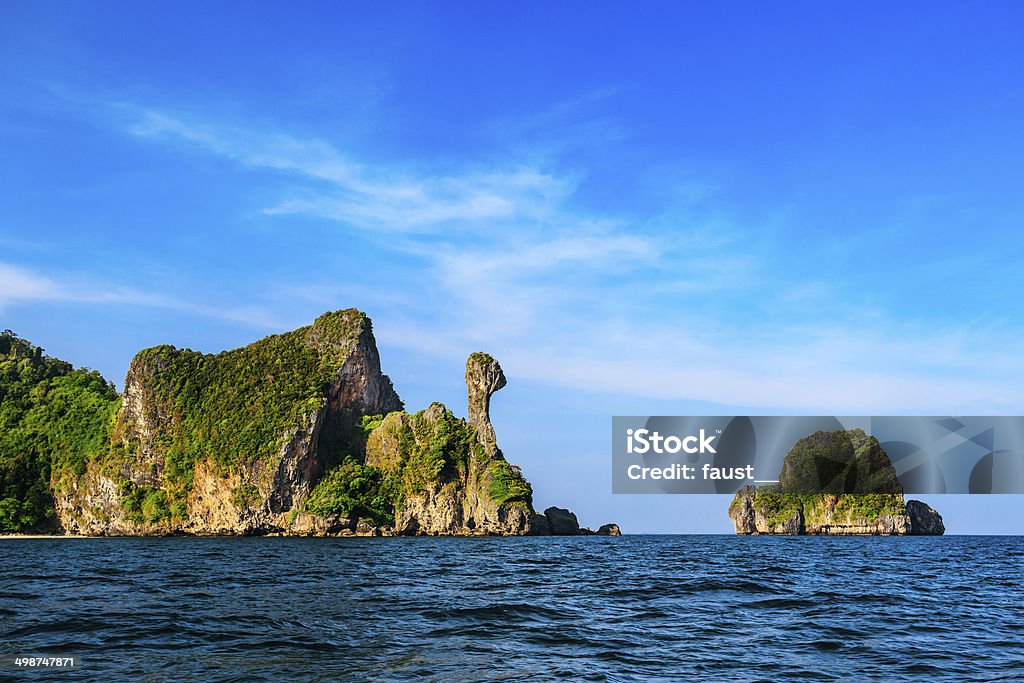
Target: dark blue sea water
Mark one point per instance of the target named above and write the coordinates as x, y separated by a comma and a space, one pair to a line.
636, 608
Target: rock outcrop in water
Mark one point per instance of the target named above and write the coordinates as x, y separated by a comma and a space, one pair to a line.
299, 433
838, 483
924, 521
483, 378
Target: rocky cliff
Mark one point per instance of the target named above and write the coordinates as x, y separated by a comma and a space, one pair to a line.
232, 442
298, 433
838, 483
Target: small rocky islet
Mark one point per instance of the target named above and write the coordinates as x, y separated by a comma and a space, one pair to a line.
838, 483
296, 434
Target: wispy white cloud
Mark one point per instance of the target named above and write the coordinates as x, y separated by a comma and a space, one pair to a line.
857, 366
365, 196
673, 304
573, 124
19, 285
609, 313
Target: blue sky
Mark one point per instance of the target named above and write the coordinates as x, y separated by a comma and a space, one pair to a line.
794, 208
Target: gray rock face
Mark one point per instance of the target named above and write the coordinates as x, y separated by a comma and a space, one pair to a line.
361, 388
924, 521
820, 515
563, 522
539, 525
742, 511
790, 526
304, 524
483, 378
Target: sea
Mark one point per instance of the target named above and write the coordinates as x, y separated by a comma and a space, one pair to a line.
632, 608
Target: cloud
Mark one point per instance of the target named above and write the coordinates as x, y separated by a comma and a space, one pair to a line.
618, 314
675, 301
384, 198
591, 341
20, 286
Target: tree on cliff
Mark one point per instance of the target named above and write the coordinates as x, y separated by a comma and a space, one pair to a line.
53, 419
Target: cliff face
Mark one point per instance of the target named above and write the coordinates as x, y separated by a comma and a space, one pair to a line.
232, 442
449, 474
924, 521
833, 483
477, 492
298, 433
754, 511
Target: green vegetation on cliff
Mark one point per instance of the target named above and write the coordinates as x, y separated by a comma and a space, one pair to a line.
236, 407
233, 407
778, 508
355, 490
508, 484
441, 448
870, 506
144, 504
54, 419
407, 455
480, 358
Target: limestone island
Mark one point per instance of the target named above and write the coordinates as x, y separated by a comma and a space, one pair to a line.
839, 483
296, 434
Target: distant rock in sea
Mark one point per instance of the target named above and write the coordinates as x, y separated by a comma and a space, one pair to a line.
839, 483
924, 521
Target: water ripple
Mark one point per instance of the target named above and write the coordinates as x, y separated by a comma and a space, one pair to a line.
655, 608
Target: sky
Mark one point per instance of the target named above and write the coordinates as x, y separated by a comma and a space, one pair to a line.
677, 208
